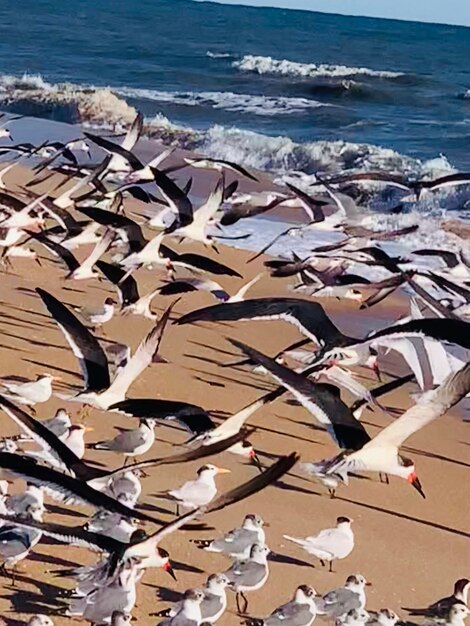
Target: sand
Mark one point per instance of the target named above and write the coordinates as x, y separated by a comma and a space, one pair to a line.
412, 550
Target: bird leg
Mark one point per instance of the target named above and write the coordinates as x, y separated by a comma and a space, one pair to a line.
332, 492
84, 412
177, 509
245, 603
322, 562
330, 569
384, 478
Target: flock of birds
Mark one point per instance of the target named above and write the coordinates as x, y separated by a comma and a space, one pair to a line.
85, 207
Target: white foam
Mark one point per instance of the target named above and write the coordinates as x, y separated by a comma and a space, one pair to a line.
268, 65
226, 100
218, 55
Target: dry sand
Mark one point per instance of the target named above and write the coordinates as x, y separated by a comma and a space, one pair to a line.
412, 550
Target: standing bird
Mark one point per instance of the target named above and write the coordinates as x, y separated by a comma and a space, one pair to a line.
330, 544
31, 392
200, 491
189, 613
98, 317
337, 603
58, 424
131, 443
16, 543
249, 574
300, 611
237, 542
383, 617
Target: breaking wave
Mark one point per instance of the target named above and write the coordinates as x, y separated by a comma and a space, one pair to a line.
268, 65
226, 100
63, 102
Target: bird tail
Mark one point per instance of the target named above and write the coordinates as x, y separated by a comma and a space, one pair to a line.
253, 621
300, 542
416, 612
99, 445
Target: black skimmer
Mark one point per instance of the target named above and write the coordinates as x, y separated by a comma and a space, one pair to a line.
441, 607
381, 454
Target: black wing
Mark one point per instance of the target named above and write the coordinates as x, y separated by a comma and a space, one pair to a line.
117, 222
451, 331
259, 482
322, 401
70, 488
174, 196
85, 347
199, 261
110, 146
193, 417
56, 248
127, 289
75, 535
309, 316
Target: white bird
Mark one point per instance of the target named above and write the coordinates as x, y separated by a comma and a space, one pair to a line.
126, 486
21, 503
330, 544
200, 491
214, 603
58, 424
85, 270
31, 392
300, 611
381, 454
189, 613
74, 438
101, 315
15, 542
458, 613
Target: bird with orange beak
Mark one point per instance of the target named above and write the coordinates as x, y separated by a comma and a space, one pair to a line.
201, 490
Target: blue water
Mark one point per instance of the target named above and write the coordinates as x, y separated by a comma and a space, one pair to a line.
162, 46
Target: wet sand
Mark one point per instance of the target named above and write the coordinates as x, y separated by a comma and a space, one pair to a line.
412, 550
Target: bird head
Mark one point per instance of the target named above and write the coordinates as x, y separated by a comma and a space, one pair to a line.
409, 473
166, 566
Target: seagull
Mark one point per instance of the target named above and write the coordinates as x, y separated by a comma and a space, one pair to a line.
355, 617
440, 608
120, 618
381, 454
237, 542
189, 613
99, 391
31, 393
383, 617
300, 611
249, 574
16, 542
21, 503
200, 491
330, 544
337, 603
126, 485
214, 603
131, 443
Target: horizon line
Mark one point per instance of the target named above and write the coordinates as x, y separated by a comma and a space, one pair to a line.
246, 3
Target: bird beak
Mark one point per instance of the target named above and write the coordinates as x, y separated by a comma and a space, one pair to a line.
415, 482
368, 584
222, 470
375, 369
255, 460
168, 568
57, 379
38, 261
89, 429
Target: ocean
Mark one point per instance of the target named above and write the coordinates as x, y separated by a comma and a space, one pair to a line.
272, 88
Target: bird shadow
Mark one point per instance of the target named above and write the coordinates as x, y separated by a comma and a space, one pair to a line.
41, 601
52, 560
186, 567
164, 594
275, 557
59, 510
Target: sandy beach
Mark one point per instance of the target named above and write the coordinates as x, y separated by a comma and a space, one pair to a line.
411, 550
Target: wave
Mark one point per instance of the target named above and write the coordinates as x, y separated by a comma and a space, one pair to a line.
64, 102
268, 65
226, 100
